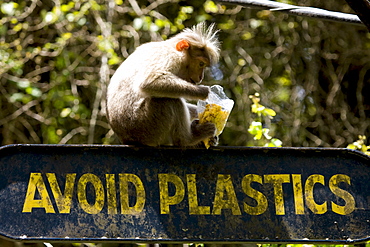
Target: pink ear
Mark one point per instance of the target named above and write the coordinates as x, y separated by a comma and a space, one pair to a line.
182, 45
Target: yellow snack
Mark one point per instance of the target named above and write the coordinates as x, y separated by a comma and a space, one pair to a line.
213, 113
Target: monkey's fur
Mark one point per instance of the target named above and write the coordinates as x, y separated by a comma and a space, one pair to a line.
146, 95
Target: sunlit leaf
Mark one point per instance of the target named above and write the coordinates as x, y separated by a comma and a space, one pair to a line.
50, 17
16, 97
255, 129
247, 36
276, 142
65, 112
66, 36
265, 133
17, 27
114, 60
138, 23
23, 84
9, 8
210, 7
67, 7
268, 112
35, 92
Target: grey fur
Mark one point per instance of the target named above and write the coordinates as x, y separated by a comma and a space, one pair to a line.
146, 97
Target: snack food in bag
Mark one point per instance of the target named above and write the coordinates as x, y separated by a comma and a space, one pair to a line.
215, 109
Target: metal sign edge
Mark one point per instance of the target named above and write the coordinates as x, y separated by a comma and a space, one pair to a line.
345, 151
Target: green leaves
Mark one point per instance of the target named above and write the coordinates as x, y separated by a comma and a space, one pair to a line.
58, 56
360, 145
260, 133
259, 109
256, 129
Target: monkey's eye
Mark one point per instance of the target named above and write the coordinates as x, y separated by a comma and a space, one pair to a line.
202, 64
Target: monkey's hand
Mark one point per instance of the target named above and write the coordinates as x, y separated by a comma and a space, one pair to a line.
202, 131
213, 141
202, 92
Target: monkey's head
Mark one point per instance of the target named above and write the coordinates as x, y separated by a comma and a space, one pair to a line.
195, 61
201, 49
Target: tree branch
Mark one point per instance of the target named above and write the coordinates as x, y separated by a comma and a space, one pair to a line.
298, 10
362, 9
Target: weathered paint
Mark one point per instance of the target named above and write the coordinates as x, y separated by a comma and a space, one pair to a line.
117, 193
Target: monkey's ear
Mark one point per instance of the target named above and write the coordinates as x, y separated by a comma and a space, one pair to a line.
182, 45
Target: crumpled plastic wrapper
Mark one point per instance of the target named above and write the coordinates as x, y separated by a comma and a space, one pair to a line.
215, 109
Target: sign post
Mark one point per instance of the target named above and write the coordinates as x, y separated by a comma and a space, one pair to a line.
96, 193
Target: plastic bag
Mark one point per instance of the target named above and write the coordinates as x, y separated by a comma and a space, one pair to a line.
215, 109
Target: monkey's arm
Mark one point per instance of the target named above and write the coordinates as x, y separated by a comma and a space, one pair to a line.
168, 85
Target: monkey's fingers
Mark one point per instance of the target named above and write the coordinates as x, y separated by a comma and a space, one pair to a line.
213, 113
212, 141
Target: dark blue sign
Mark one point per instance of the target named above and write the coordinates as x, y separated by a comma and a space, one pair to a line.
225, 194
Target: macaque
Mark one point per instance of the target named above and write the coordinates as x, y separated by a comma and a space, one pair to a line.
146, 95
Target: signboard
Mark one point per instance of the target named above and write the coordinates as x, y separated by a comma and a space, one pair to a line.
226, 194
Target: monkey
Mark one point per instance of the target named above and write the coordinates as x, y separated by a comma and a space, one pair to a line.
146, 96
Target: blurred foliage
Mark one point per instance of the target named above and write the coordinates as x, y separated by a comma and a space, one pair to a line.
262, 134
56, 58
360, 145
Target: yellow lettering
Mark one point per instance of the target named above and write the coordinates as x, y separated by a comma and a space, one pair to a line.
345, 195
165, 199
277, 181
111, 193
63, 201
99, 193
37, 183
224, 184
124, 179
193, 197
260, 198
298, 193
310, 200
